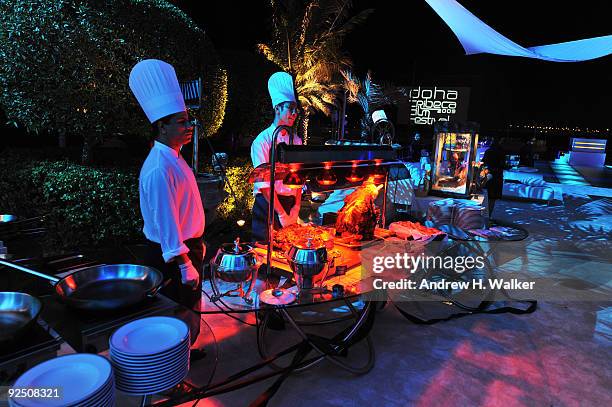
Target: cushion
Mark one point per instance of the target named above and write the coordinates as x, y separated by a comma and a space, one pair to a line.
596, 208
469, 217
441, 212
534, 182
528, 192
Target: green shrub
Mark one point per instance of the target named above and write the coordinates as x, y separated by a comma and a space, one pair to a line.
84, 206
87, 206
64, 64
238, 176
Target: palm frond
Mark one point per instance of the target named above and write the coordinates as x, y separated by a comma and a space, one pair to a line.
271, 56
313, 30
306, 23
354, 22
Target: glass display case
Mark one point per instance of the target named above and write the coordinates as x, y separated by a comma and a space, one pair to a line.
454, 158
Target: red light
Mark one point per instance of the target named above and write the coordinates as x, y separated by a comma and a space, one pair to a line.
354, 176
293, 180
327, 178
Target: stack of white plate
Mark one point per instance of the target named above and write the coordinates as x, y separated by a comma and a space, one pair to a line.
81, 379
150, 355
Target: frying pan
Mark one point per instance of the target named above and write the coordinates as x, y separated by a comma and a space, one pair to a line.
103, 288
17, 312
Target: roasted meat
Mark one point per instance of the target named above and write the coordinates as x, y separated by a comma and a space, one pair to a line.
298, 234
358, 215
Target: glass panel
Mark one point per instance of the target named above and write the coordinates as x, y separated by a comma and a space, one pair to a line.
452, 162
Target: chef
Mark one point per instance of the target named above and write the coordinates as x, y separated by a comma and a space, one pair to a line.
170, 201
286, 200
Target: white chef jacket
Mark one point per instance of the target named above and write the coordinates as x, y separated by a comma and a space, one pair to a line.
170, 201
260, 154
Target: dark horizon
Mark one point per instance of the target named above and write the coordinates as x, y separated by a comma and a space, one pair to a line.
409, 43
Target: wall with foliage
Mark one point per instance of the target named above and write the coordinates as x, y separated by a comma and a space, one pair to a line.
64, 64
86, 206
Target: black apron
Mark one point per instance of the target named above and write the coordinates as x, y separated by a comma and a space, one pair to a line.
176, 291
260, 215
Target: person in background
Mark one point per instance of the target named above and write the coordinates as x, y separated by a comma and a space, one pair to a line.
495, 160
286, 200
526, 154
170, 200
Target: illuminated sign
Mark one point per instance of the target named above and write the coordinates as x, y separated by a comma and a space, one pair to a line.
589, 145
427, 105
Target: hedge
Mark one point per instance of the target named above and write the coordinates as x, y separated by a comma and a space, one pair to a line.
89, 206
83, 205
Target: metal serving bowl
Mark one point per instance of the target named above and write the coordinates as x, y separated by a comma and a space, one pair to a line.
18, 311
306, 261
235, 262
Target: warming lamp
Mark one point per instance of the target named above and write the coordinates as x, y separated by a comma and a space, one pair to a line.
327, 178
379, 174
293, 180
354, 177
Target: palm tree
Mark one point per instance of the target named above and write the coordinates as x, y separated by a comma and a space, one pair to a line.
369, 95
307, 36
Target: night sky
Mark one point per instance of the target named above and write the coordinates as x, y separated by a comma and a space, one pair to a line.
406, 42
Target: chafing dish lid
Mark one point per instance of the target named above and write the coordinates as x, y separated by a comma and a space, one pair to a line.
236, 248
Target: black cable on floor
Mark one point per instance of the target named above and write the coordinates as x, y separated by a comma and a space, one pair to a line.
212, 376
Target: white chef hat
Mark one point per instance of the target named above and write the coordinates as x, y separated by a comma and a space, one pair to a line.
378, 115
280, 86
156, 88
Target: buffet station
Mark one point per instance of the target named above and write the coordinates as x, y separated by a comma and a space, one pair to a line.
315, 262
307, 274
319, 246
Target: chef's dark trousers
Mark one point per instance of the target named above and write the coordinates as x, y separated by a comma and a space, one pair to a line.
495, 188
260, 215
176, 291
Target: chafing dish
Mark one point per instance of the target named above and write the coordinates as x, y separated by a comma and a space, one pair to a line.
235, 262
307, 261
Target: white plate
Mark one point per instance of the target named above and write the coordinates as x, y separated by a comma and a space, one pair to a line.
149, 371
108, 400
79, 375
185, 343
102, 401
149, 336
150, 359
149, 387
148, 380
143, 376
95, 400
154, 390
151, 368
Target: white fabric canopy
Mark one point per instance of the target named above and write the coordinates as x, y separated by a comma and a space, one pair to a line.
477, 37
